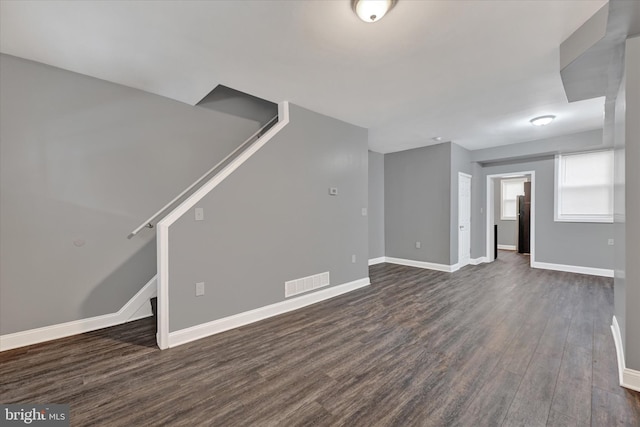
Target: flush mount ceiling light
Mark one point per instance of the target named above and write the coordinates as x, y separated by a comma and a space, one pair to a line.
372, 10
542, 120
437, 138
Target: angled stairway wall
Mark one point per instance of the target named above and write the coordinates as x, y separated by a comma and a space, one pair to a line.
83, 161
270, 221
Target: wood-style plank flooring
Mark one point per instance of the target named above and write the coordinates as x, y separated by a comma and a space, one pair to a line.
491, 345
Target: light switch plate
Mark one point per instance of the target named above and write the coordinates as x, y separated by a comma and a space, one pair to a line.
364, 211
333, 191
199, 214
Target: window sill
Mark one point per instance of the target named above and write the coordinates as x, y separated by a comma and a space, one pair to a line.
594, 220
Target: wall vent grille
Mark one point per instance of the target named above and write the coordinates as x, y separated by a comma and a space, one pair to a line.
306, 284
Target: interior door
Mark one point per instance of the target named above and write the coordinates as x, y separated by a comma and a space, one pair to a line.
464, 219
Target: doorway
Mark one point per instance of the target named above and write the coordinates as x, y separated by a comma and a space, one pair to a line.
464, 219
494, 214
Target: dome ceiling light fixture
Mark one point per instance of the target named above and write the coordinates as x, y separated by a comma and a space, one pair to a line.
372, 10
542, 120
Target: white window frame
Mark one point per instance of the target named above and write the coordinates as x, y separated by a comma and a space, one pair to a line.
502, 182
560, 217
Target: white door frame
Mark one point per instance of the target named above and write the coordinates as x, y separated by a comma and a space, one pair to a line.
468, 261
491, 214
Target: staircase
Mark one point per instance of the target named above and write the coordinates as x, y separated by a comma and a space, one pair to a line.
178, 206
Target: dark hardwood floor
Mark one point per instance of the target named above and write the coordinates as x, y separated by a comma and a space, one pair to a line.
491, 345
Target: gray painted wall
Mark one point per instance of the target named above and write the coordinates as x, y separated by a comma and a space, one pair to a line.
85, 161
417, 202
478, 214
581, 141
507, 230
632, 204
376, 205
512, 158
421, 202
578, 244
460, 162
273, 220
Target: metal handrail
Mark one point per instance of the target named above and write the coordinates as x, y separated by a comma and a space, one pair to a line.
149, 223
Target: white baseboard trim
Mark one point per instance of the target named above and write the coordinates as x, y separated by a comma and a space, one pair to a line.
193, 333
423, 264
379, 260
629, 378
507, 247
604, 272
136, 308
617, 339
476, 261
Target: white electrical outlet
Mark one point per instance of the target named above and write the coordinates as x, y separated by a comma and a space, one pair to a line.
418, 245
353, 259
199, 289
610, 242
199, 214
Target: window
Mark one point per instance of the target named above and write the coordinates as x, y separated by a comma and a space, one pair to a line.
510, 190
584, 187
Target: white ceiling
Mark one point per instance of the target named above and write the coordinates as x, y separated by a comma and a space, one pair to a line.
473, 72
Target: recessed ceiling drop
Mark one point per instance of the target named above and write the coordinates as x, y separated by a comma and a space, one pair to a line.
372, 10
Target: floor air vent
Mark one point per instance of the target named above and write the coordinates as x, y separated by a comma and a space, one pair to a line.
306, 284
